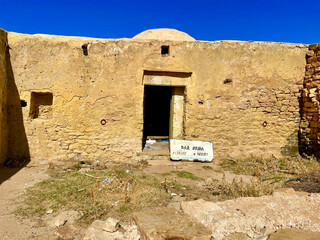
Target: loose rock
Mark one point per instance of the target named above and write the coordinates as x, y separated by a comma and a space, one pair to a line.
63, 217
96, 232
111, 225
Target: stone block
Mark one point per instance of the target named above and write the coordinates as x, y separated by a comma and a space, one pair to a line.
312, 59
308, 66
308, 104
310, 53
312, 136
167, 223
315, 64
307, 130
310, 71
96, 232
314, 124
314, 46
304, 124
283, 108
291, 109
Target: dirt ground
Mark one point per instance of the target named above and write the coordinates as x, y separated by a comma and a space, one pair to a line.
13, 183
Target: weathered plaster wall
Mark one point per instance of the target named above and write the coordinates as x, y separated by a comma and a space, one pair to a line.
243, 96
3, 98
310, 124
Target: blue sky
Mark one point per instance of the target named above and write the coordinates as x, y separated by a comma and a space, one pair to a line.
260, 20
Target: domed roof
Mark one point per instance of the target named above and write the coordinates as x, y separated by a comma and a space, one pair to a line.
164, 34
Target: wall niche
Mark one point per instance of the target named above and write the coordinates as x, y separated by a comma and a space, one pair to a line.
41, 105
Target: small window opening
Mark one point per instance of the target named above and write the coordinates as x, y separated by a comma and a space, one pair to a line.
85, 49
165, 50
41, 105
23, 103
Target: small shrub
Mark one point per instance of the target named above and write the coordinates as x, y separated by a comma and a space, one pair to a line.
207, 167
185, 174
77, 166
238, 188
262, 167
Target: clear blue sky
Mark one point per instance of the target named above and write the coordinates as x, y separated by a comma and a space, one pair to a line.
259, 20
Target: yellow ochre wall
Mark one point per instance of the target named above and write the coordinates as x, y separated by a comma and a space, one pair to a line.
242, 96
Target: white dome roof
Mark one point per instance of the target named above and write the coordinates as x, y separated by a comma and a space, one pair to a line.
164, 34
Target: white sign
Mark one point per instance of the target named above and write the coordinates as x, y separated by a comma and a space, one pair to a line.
191, 150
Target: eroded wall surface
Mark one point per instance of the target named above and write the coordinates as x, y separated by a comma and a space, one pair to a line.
242, 96
309, 131
3, 98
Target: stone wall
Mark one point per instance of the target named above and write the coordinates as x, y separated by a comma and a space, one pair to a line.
3, 98
242, 96
309, 127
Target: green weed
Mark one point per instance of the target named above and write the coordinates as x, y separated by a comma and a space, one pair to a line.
185, 174
207, 167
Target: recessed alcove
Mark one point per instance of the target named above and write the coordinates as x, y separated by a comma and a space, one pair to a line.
41, 105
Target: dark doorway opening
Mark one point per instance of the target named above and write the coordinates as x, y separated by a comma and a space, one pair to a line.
156, 112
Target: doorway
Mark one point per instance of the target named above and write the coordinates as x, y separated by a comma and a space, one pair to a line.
156, 111
156, 118
163, 117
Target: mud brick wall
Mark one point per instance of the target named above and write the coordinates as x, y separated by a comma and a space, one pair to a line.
309, 126
242, 96
3, 98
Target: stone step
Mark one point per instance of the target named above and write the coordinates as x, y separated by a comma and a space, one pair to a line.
150, 157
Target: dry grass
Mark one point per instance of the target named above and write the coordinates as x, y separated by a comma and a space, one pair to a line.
237, 188
270, 174
97, 194
272, 167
